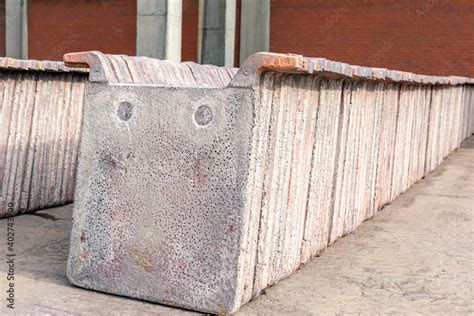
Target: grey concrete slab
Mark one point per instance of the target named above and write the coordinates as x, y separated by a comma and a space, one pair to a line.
415, 256
40, 284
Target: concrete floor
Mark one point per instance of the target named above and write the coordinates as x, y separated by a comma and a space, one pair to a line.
415, 256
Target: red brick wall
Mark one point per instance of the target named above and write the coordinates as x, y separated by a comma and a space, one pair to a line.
190, 27
59, 26
237, 33
421, 36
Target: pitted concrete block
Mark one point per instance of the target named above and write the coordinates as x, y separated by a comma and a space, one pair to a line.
208, 186
159, 213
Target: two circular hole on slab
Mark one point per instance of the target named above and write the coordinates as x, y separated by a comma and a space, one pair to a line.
202, 115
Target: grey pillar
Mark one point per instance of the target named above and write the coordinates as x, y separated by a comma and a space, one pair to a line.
16, 29
159, 29
217, 32
254, 27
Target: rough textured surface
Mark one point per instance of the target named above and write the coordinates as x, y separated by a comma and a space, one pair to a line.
144, 70
41, 287
398, 262
40, 121
185, 253
202, 196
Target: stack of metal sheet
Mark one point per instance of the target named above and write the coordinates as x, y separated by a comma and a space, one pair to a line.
41, 112
330, 152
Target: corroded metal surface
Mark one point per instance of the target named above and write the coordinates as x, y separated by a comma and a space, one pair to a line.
201, 194
39, 65
144, 70
258, 63
40, 117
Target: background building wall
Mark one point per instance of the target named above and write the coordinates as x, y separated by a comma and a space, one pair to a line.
189, 37
60, 26
238, 15
424, 36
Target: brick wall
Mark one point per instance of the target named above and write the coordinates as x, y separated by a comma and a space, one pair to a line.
60, 26
424, 36
237, 33
190, 27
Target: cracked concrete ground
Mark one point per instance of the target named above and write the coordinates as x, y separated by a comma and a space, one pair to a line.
415, 257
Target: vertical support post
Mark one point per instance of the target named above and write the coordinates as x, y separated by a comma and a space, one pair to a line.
230, 13
159, 29
217, 32
16, 29
174, 29
200, 28
254, 28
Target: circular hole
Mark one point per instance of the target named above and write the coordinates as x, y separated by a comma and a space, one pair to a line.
203, 115
124, 111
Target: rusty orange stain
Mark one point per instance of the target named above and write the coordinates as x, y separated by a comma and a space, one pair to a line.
141, 260
84, 255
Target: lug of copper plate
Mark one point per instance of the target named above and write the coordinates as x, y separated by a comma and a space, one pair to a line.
250, 71
94, 60
38, 65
